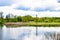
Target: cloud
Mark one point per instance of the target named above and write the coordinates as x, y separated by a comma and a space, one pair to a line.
32, 5
50, 8
38, 9
22, 8
8, 10
38, 5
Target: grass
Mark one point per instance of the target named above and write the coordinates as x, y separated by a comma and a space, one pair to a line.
44, 24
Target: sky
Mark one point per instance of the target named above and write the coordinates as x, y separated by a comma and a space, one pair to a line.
43, 8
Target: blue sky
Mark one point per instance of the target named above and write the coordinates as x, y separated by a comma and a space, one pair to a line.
23, 7
5, 2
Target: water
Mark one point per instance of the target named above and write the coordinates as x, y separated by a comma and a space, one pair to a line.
29, 33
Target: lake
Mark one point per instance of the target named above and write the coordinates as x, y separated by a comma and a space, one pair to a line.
29, 33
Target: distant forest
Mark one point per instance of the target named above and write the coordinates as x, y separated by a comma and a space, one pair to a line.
27, 18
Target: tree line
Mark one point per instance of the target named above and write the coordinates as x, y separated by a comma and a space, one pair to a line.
28, 18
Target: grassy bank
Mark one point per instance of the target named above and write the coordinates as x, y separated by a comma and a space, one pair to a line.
44, 24
28, 20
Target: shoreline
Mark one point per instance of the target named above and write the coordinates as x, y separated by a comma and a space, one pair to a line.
32, 24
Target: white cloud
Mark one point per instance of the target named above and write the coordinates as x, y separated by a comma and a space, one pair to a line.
7, 10
32, 4
37, 3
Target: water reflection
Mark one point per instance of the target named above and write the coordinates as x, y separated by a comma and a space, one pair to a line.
29, 33
1, 32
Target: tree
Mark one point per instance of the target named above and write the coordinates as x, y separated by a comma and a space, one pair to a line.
9, 16
1, 14
27, 18
15, 19
19, 18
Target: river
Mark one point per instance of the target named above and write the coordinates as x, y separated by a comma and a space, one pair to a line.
29, 33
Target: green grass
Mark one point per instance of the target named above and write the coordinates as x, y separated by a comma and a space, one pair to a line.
43, 24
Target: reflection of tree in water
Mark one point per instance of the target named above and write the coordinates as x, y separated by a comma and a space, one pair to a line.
48, 35
52, 35
1, 32
1, 26
58, 36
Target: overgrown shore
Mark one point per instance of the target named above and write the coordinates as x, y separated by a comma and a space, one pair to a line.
41, 24
28, 20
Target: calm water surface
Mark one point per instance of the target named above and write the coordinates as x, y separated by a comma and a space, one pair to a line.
28, 33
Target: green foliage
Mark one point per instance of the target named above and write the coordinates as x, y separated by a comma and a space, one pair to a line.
1, 21
19, 18
28, 18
